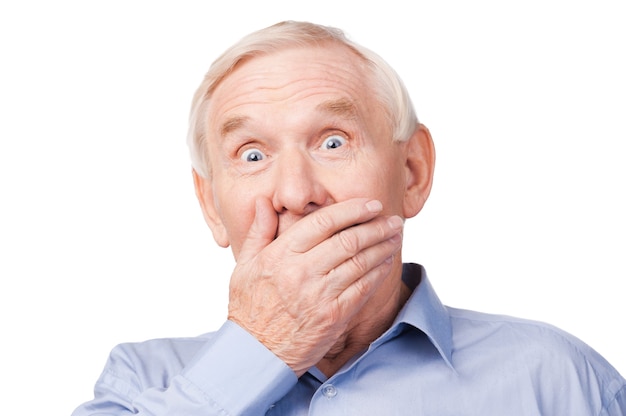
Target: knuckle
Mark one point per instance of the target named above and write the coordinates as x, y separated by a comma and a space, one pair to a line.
359, 264
349, 242
381, 229
333, 315
322, 221
362, 287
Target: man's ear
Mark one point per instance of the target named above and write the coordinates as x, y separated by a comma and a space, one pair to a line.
204, 192
420, 166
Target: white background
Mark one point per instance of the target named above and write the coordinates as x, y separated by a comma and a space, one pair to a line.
102, 240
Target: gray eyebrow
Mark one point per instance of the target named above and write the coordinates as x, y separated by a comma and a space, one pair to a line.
232, 123
341, 107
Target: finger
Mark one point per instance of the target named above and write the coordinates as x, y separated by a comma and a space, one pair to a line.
353, 269
261, 232
349, 243
321, 224
352, 299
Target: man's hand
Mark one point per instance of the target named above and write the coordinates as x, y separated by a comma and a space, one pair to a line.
297, 293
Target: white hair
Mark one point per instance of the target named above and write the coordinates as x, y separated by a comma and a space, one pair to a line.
389, 88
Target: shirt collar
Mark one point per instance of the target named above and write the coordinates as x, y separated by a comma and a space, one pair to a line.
425, 311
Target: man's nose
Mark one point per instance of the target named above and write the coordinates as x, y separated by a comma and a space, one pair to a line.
297, 185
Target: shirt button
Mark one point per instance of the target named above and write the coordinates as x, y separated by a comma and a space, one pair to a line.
329, 391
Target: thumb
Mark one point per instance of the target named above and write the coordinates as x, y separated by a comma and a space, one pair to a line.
262, 230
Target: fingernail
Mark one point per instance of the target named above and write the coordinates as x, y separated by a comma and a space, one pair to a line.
374, 206
395, 222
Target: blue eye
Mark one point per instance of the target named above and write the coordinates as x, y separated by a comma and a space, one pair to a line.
333, 142
252, 155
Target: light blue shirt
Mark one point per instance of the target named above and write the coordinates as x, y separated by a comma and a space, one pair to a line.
434, 360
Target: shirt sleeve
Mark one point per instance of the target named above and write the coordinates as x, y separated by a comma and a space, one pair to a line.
232, 374
617, 407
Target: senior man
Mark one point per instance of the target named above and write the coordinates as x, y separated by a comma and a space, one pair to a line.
307, 158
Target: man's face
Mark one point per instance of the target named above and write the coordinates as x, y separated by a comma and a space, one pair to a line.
302, 128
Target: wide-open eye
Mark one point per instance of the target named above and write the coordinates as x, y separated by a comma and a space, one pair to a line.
252, 155
332, 142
